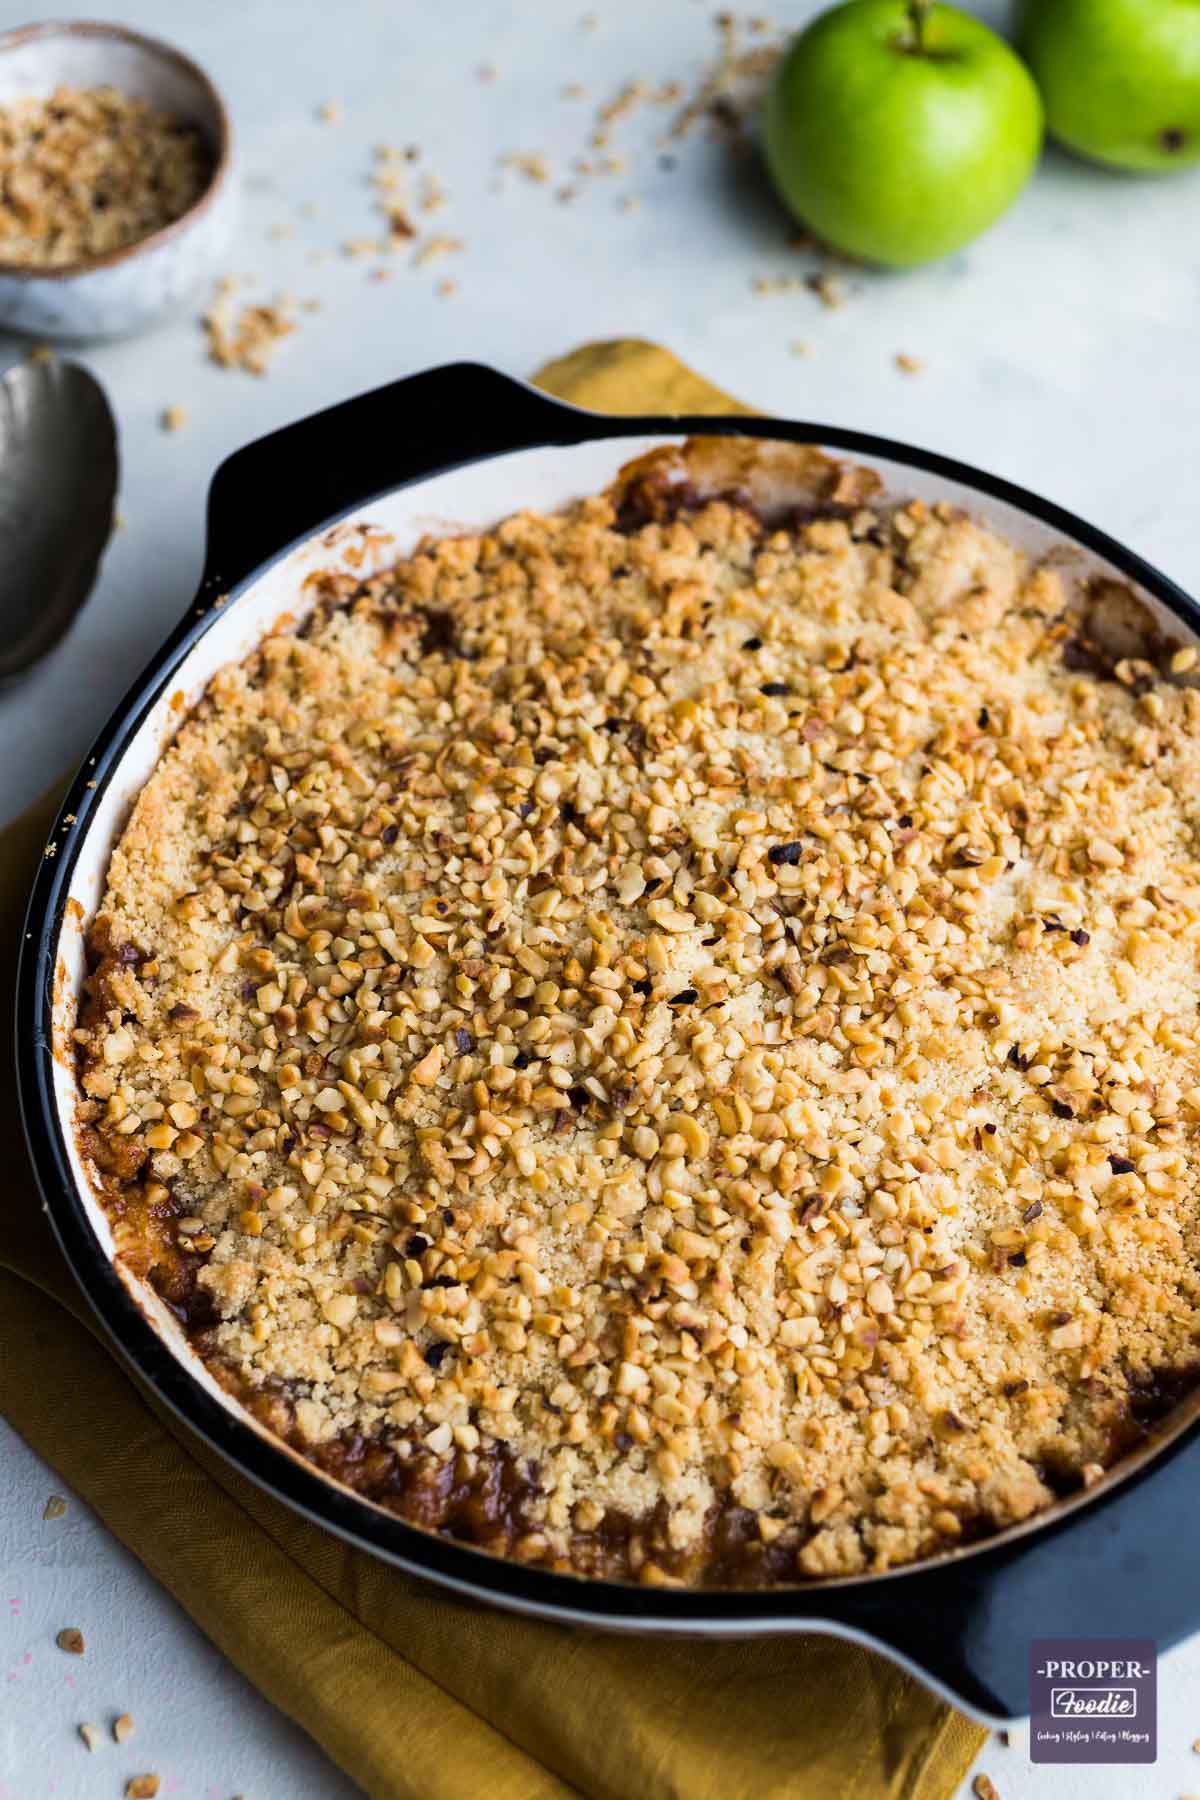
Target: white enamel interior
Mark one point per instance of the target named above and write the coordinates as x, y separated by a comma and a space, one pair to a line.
466, 499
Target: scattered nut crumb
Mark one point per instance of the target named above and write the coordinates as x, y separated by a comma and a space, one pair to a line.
173, 418
434, 247
55, 1507
70, 1639
331, 113
827, 288
123, 1728
800, 347
247, 340
433, 195
911, 365
400, 225
532, 164
447, 287
92, 1736
775, 284
984, 1788
141, 1787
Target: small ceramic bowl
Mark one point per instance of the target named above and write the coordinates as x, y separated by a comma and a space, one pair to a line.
122, 291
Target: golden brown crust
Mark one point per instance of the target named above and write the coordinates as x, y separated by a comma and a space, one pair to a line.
667, 1047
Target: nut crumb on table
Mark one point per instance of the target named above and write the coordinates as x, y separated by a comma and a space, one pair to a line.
70, 1639
92, 1736
142, 1787
829, 290
55, 1507
173, 418
123, 1728
530, 163
984, 1788
532, 1029
247, 337
436, 247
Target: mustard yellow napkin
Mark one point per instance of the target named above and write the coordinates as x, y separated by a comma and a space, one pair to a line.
418, 1696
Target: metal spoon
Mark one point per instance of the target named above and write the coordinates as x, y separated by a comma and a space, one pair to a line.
58, 482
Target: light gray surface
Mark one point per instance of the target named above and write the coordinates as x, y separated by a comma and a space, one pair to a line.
196, 1722
1061, 351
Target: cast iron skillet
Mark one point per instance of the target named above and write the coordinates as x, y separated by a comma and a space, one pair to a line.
1121, 1560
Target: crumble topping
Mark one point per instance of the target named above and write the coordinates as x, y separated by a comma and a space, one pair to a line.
90, 170
665, 1044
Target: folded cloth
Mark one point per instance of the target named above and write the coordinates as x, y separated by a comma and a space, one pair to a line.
416, 1695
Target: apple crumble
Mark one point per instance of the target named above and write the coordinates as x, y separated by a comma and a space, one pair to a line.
661, 1040
90, 170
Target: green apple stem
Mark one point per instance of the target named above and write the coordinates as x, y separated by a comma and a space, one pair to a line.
918, 11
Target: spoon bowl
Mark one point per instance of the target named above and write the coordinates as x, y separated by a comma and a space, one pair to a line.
58, 486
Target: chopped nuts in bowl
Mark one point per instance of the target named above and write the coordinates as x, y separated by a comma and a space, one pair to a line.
115, 188
89, 171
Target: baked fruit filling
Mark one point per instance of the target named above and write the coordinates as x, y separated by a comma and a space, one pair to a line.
661, 1040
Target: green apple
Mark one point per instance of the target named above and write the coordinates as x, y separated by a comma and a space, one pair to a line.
1120, 78
899, 130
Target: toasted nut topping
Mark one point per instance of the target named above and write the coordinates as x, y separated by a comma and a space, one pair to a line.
657, 1012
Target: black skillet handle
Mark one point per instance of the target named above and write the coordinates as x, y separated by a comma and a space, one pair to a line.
1125, 1566
283, 486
